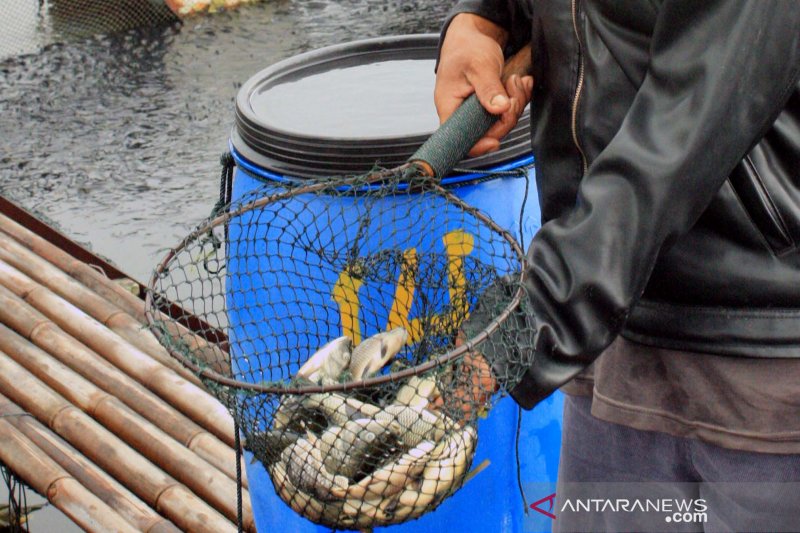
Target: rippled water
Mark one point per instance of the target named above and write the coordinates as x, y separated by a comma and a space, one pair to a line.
117, 138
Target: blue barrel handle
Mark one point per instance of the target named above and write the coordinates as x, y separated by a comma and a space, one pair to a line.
453, 140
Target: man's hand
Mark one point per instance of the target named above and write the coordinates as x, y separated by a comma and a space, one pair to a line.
471, 60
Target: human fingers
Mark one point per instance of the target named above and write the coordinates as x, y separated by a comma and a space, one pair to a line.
471, 60
519, 89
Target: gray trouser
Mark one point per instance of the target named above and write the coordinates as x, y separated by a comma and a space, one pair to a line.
736, 490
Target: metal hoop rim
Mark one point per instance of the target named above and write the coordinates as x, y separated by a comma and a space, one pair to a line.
152, 314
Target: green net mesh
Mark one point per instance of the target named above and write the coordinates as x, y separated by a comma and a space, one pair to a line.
29, 25
333, 317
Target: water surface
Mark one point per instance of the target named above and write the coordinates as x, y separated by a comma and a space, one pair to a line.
117, 137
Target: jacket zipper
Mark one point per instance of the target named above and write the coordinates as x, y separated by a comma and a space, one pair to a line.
578, 88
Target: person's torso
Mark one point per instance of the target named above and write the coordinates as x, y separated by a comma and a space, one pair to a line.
735, 276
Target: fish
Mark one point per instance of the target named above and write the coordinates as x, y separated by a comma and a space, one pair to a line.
417, 392
304, 503
394, 476
440, 475
367, 512
332, 455
269, 444
328, 362
415, 425
375, 352
339, 409
356, 447
414, 497
300, 502
295, 414
334, 369
288, 416
305, 468
403, 512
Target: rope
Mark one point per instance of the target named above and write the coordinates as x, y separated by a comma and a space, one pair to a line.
522, 210
224, 200
226, 192
519, 467
17, 503
238, 444
225, 183
516, 173
519, 409
520, 172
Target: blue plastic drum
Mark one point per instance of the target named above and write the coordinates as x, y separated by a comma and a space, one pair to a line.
341, 110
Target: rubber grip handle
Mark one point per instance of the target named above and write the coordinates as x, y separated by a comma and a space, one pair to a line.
453, 140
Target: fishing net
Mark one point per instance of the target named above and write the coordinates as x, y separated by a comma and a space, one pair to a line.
14, 513
340, 320
26, 26
29, 25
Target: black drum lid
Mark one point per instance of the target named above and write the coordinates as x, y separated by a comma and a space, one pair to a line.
333, 99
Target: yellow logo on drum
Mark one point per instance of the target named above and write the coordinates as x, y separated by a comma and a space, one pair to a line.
458, 244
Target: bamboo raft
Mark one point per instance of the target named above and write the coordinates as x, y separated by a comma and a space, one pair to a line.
94, 414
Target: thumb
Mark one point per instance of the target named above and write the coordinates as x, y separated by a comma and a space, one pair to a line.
491, 92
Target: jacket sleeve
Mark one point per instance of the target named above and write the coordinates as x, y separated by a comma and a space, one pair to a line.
720, 72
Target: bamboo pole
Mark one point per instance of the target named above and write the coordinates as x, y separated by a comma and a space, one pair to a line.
113, 494
162, 450
112, 292
31, 324
183, 395
101, 310
86, 300
158, 489
46, 477
24, 240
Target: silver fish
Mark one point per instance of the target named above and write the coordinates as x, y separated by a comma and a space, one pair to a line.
328, 362
304, 467
332, 455
339, 408
367, 513
285, 413
415, 425
394, 476
301, 502
355, 447
269, 444
417, 392
404, 512
375, 352
296, 415
441, 474
305, 504
333, 367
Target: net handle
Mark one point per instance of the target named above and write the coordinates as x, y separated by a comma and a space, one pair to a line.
449, 144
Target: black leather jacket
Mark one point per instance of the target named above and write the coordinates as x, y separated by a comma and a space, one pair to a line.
667, 143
